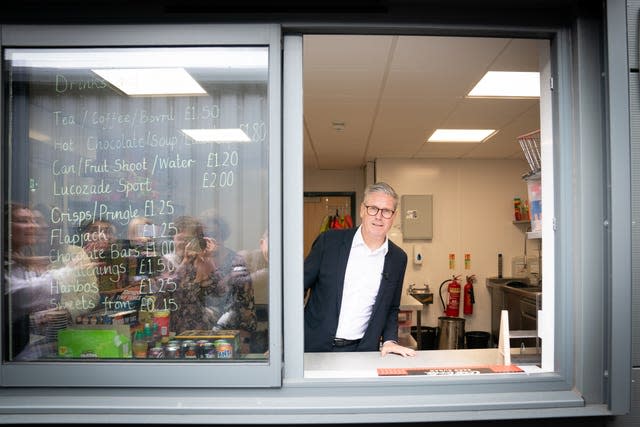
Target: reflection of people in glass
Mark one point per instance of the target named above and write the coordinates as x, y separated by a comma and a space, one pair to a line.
191, 277
44, 244
236, 309
26, 233
28, 287
77, 283
216, 228
101, 246
141, 233
257, 261
39, 284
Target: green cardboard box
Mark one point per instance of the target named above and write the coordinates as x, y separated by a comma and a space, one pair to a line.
95, 341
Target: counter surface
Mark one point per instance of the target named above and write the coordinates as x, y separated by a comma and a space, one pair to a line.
365, 364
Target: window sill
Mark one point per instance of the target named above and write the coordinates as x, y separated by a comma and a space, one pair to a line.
367, 364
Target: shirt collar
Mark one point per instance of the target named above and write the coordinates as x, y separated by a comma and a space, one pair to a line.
358, 241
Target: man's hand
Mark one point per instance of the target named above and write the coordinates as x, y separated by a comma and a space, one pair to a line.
394, 347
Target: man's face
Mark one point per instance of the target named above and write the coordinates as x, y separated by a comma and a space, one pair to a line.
377, 226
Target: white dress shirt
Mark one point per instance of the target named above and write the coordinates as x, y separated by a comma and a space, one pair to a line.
361, 284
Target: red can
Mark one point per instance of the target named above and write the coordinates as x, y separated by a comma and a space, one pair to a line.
161, 318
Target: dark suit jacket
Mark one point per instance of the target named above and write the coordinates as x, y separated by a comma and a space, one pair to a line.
324, 270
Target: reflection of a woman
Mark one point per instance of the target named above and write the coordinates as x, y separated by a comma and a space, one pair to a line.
257, 261
37, 283
191, 276
28, 286
236, 309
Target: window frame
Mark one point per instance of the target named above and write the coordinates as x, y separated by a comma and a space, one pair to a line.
131, 373
556, 377
568, 297
585, 388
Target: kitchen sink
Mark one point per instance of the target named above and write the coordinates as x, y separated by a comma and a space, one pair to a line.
423, 295
516, 284
524, 287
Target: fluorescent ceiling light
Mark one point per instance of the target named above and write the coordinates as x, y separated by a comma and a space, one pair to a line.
461, 135
39, 136
507, 84
152, 81
222, 58
217, 135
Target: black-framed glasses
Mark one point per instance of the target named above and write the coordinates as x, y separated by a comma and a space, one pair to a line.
373, 211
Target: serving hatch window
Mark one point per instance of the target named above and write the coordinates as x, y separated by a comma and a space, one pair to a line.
136, 204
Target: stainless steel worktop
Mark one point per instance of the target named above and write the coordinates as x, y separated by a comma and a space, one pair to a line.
513, 283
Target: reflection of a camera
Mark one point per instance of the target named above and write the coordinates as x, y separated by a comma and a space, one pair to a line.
144, 259
144, 238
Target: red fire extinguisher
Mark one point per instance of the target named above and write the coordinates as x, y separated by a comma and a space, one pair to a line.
469, 298
452, 309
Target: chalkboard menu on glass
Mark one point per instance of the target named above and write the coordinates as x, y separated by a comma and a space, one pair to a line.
136, 196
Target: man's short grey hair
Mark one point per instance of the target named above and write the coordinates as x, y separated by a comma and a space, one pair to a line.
382, 187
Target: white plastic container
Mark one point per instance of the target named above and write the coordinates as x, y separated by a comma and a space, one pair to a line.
534, 187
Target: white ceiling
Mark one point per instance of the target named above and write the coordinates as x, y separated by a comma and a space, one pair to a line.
392, 92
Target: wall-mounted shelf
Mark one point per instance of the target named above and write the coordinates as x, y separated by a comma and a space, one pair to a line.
530, 234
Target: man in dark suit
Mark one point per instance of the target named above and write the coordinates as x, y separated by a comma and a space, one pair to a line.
355, 277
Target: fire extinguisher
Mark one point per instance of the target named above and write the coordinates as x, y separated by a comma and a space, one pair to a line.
452, 309
469, 298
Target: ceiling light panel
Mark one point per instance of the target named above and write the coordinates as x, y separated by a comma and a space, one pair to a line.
217, 135
152, 81
507, 84
461, 135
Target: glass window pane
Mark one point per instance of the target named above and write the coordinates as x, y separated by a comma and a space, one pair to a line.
137, 192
